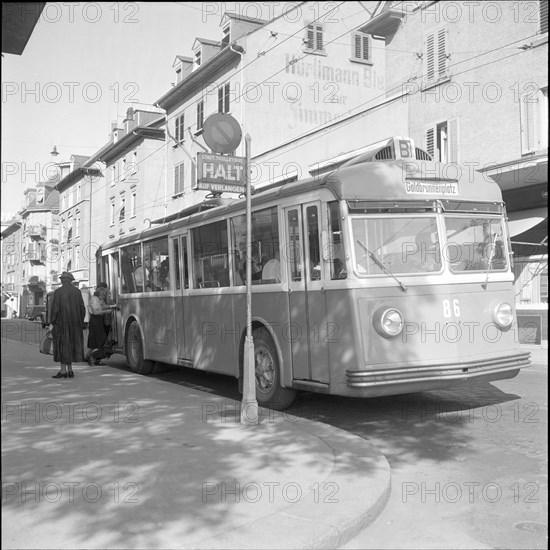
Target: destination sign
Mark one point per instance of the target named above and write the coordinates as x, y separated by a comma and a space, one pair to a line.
221, 174
419, 188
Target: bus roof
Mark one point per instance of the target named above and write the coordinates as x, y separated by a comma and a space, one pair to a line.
370, 181
411, 180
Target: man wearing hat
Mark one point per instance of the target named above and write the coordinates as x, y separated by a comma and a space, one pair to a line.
67, 318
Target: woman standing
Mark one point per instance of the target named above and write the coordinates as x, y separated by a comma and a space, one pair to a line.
67, 320
98, 330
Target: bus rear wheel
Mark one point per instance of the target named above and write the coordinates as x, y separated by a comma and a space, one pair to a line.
269, 392
134, 351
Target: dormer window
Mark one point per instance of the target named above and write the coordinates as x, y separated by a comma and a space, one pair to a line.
226, 36
178, 75
314, 40
198, 58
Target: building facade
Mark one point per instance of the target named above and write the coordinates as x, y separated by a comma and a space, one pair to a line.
39, 247
134, 177
304, 97
476, 78
76, 203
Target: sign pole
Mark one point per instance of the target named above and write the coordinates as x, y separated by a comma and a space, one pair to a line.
249, 406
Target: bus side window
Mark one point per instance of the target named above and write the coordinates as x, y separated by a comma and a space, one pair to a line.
336, 252
210, 255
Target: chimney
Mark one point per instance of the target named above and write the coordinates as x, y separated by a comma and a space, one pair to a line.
129, 122
116, 132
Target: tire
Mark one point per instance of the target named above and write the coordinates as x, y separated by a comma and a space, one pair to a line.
269, 392
134, 351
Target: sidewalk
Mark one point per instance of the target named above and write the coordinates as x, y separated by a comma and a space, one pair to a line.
111, 459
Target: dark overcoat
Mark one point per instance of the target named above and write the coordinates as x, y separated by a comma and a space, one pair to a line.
67, 318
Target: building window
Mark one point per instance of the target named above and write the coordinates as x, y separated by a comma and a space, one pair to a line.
180, 128
226, 36
178, 178
198, 58
441, 141
435, 56
77, 227
70, 235
361, 47
133, 205
114, 174
200, 115
223, 99
77, 257
122, 213
78, 192
314, 38
112, 212
534, 121
178, 75
543, 16
123, 169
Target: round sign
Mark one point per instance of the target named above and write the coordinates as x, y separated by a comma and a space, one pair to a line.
222, 133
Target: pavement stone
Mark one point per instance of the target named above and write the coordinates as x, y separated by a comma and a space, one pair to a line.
111, 459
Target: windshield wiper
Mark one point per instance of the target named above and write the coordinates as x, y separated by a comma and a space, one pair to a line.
382, 266
493, 250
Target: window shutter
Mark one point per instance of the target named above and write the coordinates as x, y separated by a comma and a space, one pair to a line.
430, 142
319, 34
357, 46
366, 53
543, 16
226, 98
527, 122
220, 100
441, 53
178, 178
453, 140
429, 55
361, 46
310, 37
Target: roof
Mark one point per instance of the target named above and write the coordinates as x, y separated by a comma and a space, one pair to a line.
18, 22
176, 94
182, 58
207, 41
12, 228
240, 17
112, 150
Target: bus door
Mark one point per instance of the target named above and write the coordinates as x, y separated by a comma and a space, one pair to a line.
307, 330
181, 295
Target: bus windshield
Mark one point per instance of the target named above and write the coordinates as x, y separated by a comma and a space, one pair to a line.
401, 244
475, 242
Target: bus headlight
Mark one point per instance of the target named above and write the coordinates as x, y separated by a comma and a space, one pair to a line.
388, 322
503, 315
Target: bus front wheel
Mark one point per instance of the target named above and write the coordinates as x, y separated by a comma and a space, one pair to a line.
134, 351
269, 392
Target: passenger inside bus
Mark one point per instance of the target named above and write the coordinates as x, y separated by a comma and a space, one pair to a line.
271, 272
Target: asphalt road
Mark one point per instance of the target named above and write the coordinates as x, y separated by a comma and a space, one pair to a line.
469, 465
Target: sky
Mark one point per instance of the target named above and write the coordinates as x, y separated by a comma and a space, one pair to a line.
83, 66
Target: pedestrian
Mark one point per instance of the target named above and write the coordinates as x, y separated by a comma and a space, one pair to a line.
98, 328
67, 321
85, 290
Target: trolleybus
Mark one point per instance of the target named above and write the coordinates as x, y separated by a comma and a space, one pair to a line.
380, 277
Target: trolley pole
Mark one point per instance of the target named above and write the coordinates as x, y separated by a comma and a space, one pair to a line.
249, 405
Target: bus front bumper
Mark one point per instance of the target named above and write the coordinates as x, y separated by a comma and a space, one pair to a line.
423, 378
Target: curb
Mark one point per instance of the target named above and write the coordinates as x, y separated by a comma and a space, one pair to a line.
360, 472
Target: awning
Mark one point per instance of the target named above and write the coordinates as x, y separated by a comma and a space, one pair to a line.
521, 221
